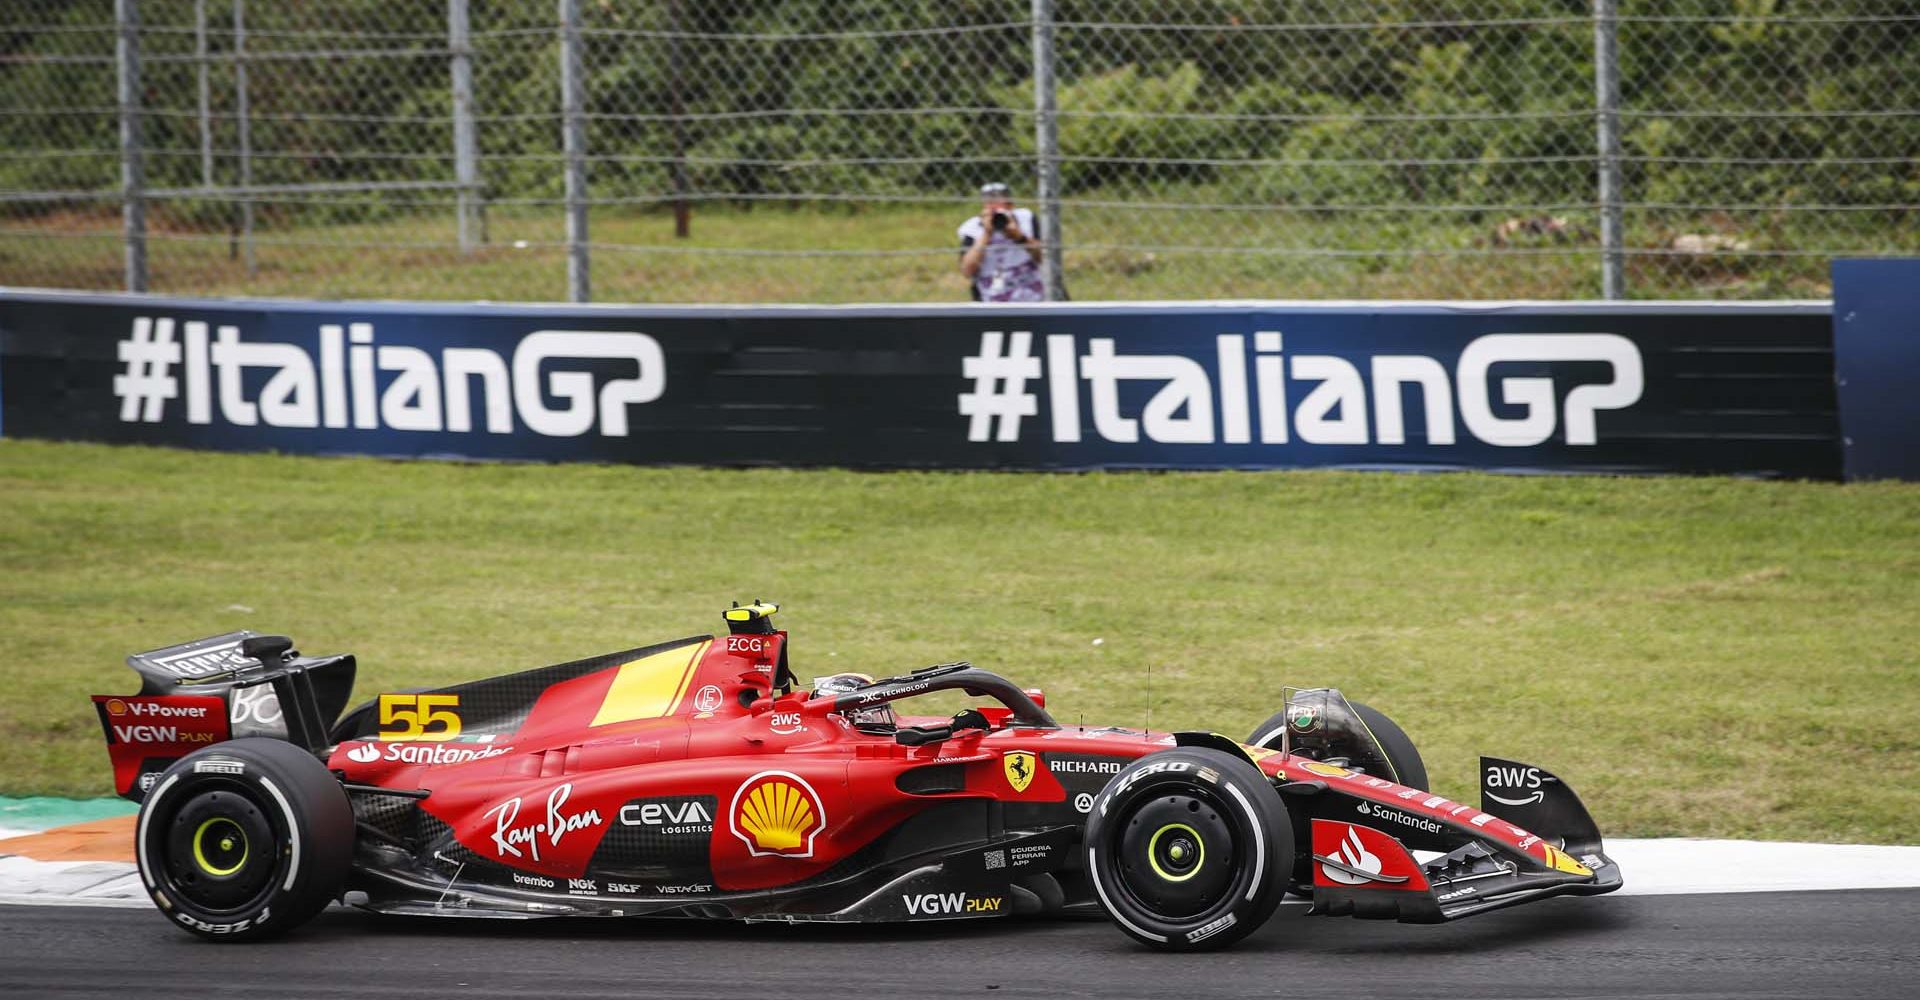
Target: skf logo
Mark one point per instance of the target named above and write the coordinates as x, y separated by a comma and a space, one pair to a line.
426, 717
1020, 767
777, 813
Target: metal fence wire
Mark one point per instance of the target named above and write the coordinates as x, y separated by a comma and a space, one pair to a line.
776, 150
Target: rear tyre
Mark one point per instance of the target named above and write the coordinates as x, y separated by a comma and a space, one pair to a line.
1189, 849
245, 840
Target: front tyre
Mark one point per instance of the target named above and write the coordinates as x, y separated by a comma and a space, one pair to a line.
245, 840
1188, 849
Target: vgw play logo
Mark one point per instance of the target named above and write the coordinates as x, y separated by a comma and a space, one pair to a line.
423, 392
1193, 406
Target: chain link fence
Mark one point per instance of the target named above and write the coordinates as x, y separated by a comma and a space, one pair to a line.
773, 150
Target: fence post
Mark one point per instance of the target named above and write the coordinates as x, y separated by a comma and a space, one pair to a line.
466, 157
1606, 80
1046, 134
682, 215
574, 142
243, 128
206, 94
133, 171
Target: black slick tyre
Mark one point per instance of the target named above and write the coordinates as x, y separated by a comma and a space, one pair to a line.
1409, 769
244, 840
1189, 849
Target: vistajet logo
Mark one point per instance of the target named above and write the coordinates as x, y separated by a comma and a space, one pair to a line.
1190, 408
423, 392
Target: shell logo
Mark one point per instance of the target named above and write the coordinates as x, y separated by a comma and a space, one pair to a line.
777, 813
116, 707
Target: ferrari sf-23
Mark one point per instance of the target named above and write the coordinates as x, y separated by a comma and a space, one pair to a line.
698, 778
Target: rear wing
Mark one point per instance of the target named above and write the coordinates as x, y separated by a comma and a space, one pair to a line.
222, 687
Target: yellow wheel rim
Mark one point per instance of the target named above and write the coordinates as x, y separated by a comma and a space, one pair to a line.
225, 840
1199, 847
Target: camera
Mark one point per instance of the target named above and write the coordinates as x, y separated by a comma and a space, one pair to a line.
1000, 221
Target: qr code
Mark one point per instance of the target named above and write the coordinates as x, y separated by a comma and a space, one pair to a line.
996, 859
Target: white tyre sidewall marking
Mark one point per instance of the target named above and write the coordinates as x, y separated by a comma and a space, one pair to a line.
293, 833
140, 835
1259, 841
1093, 870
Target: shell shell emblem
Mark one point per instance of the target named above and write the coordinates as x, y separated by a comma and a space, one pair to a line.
777, 813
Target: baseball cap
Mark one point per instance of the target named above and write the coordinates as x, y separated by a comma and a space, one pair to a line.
995, 190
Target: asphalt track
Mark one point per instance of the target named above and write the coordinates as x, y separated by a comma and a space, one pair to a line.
1753, 945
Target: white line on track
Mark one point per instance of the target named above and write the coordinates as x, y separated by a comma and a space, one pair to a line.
1651, 867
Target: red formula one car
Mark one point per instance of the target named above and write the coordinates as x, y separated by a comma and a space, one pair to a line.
690, 779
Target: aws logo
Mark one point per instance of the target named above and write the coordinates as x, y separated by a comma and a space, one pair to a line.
777, 813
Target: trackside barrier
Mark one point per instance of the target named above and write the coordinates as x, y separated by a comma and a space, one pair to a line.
1876, 333
1596, 387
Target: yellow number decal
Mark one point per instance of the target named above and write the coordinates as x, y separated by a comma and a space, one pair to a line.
415, 714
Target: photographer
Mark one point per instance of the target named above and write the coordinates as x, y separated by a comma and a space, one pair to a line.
997, 253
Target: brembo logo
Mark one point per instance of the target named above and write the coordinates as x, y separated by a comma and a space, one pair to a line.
424, 391
1518, 779
1319, 399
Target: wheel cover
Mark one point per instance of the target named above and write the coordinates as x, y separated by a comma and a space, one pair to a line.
220, 846
1177, 854
216, 852
1180, 856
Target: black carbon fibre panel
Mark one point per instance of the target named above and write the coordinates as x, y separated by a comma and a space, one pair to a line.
659, 839
499, 705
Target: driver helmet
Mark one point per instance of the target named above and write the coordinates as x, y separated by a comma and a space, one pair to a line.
839, 684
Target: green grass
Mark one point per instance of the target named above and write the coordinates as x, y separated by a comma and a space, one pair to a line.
1698, 656
637, 258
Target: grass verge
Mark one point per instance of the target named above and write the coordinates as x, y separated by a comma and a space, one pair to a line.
1704, 657
908, 253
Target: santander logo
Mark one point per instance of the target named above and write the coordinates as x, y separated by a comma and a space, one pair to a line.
1357, 864
1350, 863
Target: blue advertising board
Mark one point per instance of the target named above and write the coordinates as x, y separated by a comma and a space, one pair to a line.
1876, 333
1601, 387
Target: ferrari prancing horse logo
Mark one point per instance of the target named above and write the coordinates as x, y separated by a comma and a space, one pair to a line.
1020, 766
